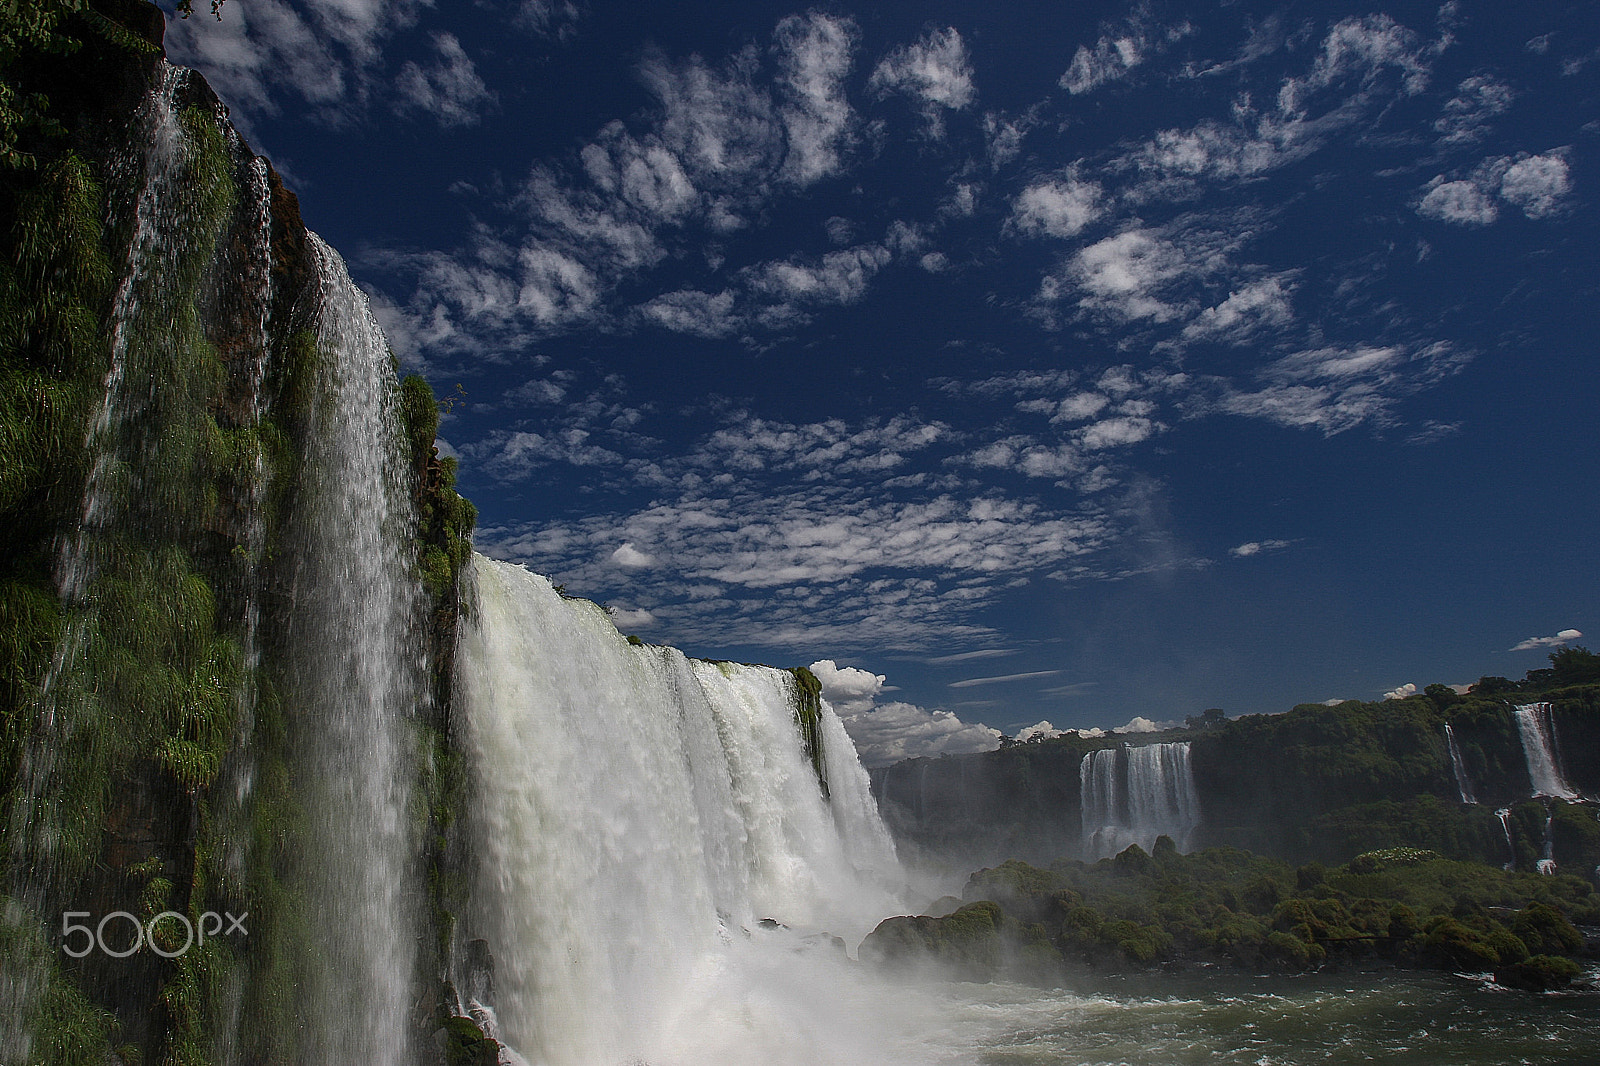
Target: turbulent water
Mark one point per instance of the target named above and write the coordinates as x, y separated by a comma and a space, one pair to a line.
1539, 748
1224, 1019
639, 818
1132, 795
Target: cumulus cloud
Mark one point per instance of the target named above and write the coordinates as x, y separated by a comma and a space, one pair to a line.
449, 89
887, 733
848, 689
1401, 692
722, 141
1056, 208
1144, 725
1561, 639
630, 558
1255, 307
1108, 60
1038, 731
1538, 186
325, 53
1122, 277
934, 73
632, 618
1462, 202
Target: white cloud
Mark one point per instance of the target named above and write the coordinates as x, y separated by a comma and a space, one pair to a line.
1110, 59
1566, 636
934, 73
1056, 208
887, 733
1537, 184
1256, 547
848, 689
1144, 725
450, 89
1468, 113
1355, 58
814, 58
551, 17
1360, 49
968, 656
1255, 307
1462, 202
1122, 277
892, 732
634, 618
630, 558
702, 314
1029, 675
1401, 693
1118, 51
838, 277
325, 52
1335, 389
1039, 730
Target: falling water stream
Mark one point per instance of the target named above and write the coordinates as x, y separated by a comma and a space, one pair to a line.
1134, 794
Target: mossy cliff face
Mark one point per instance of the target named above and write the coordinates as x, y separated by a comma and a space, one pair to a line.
156, 390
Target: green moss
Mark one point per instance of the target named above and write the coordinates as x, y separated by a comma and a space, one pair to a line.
807, 699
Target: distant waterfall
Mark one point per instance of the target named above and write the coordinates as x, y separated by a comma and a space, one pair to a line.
1132, 795
1539, 749
1547, 857
1458, 766
1504, 814
639, 814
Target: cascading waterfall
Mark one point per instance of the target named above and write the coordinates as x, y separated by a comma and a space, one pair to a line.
1537, 730
638, 817
37, 824
1132, 795
1458, 766
165, 636
1504, 814
358, 684
1547, 858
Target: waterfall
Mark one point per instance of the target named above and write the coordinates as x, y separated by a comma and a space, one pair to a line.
641, 820
1547, 857
1504, 814
40, 825
1458, 766
357, 684
1537, 730
1132, 795
188, 598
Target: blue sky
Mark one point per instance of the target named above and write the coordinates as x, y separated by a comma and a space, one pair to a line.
1020, 362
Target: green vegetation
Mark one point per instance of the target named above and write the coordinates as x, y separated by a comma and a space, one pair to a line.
808, 716
132, 696
1404, 907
